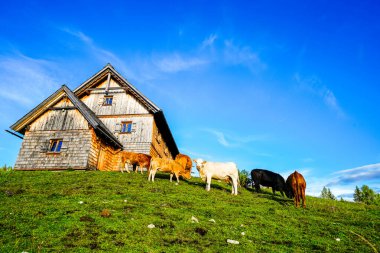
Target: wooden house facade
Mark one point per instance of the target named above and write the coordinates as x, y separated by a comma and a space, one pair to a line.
88, 127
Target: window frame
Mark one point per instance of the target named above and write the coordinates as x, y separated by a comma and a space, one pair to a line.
105, 100
126, 123
55, 146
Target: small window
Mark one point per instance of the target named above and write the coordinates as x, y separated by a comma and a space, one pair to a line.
107, 100
55, 146
126, 127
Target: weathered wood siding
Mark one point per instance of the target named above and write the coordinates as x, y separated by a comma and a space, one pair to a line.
65, 119
102, 156
122, 104
124, 108
74, 152
140, 139
159, 147
68, 125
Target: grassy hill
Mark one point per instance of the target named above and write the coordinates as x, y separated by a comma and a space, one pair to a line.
110, 212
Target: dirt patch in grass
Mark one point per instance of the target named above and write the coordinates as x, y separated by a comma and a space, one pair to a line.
201, 231
87, 218
105, 213
39, 214
12, 192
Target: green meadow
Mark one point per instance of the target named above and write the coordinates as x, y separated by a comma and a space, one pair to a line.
93, 211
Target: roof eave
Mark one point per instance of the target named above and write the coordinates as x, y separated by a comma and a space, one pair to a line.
165, 130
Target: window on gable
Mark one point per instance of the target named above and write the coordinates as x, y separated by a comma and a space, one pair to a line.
55, 145
126, 127
107, 100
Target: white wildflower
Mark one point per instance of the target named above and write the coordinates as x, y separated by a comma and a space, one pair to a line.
243, 233
81, 202
151, 226
337, 239
212, 220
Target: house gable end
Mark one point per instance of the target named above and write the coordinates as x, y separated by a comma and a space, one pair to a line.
114, 100
108, 74
48, 104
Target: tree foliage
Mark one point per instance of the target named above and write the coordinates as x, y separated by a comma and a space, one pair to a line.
5, 167
244, 178
366, 195
327, 194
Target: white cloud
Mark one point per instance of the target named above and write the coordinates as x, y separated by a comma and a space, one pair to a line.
231, 140
83, 37
342, 183
313, 85
366, 172
308, 160
209, 41
236, 55
26, 80
102, 55
175, 62
195, 155
304, 171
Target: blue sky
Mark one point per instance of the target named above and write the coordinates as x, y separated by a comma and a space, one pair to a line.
281, 85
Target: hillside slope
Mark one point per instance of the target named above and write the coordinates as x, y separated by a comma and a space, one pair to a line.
65, 212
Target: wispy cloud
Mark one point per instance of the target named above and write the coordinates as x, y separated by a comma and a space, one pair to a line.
313, 85
209, 41
304, 171
100, 54
231, 140
242, 55
176, 62
367, 172
308, 160
342, 183
26, 80
195, 155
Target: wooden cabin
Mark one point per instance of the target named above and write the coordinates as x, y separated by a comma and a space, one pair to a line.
88, 127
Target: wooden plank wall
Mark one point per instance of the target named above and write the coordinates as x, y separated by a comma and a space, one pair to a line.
123, 103
159, 147
102, 156
139, 139
68, 125
125, 107
74, 152
60, 119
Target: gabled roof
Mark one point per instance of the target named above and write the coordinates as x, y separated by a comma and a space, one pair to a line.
87, 113
102, 75
152, 108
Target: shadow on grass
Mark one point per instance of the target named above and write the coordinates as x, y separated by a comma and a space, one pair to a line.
269, 195
226, 187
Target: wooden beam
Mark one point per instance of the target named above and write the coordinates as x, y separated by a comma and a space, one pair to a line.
108, 82
62, 108
110, 88
14, 134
